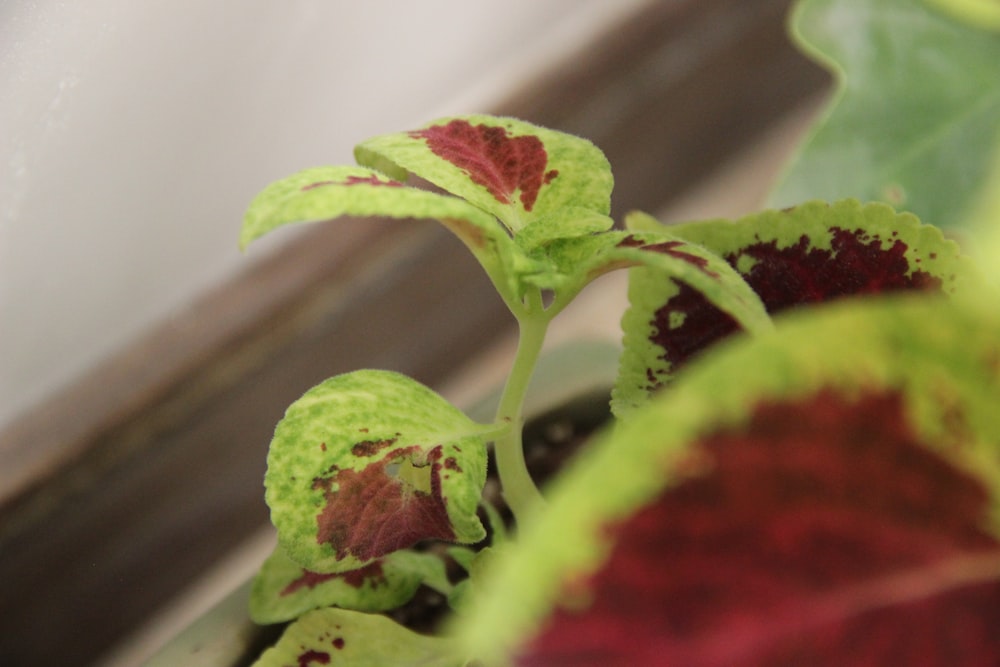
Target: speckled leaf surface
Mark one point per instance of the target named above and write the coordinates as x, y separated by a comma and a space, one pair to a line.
370, 462
283, 590
813, 253
828, 493
342, 637
915, 120
512, 169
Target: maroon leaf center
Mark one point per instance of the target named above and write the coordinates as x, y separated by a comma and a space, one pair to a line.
855, 264
821, 533
374, 511
492, 158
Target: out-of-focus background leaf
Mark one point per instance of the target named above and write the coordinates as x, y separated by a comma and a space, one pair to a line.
915, 118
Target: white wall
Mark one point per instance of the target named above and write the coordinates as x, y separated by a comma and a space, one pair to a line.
133, 134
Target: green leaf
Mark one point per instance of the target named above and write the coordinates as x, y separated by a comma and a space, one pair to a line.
326, 193
939, 359
915, 121
371, 462
283, 590
512, 169
343, 637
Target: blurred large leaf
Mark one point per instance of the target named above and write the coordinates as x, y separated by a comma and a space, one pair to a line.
820, 495
915, 120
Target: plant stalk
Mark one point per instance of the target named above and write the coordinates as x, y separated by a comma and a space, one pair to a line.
519, 489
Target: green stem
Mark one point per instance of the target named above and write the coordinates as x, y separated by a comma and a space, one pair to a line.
519, 489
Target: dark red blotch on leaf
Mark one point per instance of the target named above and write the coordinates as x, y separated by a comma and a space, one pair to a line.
312, 657
372, 573
822, 533
372, 512
492, 158
673, 249
788, 277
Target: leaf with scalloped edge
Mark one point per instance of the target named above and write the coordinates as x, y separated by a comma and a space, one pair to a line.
283, 590
515, 170
915, 120
345, 637
370, 462
813, 253
827, 494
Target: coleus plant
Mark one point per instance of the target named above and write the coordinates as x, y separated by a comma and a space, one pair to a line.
804, 466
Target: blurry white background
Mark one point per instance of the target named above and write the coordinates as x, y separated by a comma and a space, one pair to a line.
133, 134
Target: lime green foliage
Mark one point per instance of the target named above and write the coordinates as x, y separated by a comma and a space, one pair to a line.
915, 121
342, 637
409, 441
324, 193
939, 354
978, 13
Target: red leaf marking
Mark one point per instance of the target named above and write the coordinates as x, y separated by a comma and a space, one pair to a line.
372, 573
703, 325
371, 512
821, 533
371, 180
492, 158
670, 248
310, 657
371, 447
354, 180
338, 643
788, 277
856, 263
